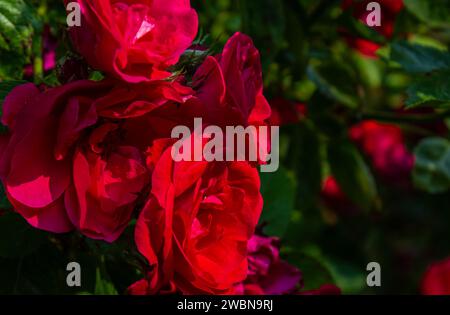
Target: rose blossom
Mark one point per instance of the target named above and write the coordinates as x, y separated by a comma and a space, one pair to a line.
194, 229
70, 160
134, 40
231, 86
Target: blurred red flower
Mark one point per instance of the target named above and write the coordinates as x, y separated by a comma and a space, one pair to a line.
436, 280
389, 11
134, 40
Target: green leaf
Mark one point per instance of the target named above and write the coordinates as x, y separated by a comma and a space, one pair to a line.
278, 191
336, 82
315, 272
96, 76
434, 13
308, 165
433, 89
17, 237
419, 59
359, 29
15, 26
350, 278
319, 269
103, 284
352, 173
16, 32
432, 165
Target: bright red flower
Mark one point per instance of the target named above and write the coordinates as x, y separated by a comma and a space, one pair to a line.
195, 227
70, 160
134, 40
436, 280
389, 11
384, 144
268, 274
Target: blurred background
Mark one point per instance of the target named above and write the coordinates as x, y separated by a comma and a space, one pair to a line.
364, 116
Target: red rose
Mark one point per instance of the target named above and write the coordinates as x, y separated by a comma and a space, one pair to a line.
49, 46
384, 144
230, 89
436, 280
389, 11
268, 274
231, 86
69, 160
194, 229
134, 40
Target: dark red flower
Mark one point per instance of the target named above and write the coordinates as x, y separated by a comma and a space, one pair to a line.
70, 160
436, 280
134, 40
384, 145
195, 227
230, 85
267, 273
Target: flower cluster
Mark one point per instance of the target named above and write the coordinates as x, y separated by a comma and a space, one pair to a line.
91, 155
